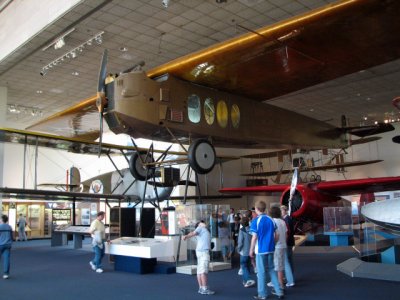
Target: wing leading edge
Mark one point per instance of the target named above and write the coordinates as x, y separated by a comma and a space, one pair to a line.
274, 60
335, 188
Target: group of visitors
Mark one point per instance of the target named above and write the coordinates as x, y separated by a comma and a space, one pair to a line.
265, 241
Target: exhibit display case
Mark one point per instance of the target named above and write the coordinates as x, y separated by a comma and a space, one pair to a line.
338, 225
215, 218
375, 243
338, 219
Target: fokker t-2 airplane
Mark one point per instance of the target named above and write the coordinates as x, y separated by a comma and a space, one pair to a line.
217, 93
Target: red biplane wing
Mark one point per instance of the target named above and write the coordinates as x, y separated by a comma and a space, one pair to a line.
337, 188
310, 199
357, 186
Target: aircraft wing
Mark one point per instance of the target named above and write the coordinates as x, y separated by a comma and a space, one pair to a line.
310, 198
274, 60
46, 195
357, 186
58, 142
336, 188
295, 53
316, 168
76, 145
81, 120
263, 189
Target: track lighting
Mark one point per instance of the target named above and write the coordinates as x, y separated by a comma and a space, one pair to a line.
73, 53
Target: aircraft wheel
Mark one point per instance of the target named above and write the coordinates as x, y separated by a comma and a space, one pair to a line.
318, 178
136, 167
201, 156
396, 139
312, 178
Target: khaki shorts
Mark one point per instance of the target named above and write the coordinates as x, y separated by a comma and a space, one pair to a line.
203, 259
279, 259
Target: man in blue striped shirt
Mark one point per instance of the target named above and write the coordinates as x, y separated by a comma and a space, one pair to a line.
263, 245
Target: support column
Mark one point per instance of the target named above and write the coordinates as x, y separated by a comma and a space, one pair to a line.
3, 110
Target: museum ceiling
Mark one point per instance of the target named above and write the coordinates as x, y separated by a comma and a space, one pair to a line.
135, 31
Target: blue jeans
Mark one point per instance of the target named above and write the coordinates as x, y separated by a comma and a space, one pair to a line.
98, 255
244, 265
5, 253
289, 251
265, 262
288, 269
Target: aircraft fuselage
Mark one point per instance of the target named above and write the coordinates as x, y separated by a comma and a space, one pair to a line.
143, 107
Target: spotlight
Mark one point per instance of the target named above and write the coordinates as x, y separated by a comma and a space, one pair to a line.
59, 44
165, 3
73, 53
99, 39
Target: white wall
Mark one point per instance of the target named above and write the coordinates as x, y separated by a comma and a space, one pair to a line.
23, 19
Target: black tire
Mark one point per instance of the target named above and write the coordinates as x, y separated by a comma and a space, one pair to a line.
136, 167
396, 139
201, 156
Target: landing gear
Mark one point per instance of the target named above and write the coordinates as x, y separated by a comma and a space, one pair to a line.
136, 167
201, 156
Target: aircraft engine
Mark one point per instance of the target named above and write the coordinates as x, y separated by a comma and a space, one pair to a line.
308, 203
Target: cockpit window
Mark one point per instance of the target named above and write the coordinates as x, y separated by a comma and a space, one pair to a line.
194, 108
222, 114
235, 116
209, 111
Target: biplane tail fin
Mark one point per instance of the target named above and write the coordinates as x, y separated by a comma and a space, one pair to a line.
74, 179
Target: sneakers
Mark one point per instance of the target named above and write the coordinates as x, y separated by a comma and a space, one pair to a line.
270, 284
249, 283
99, 270
206, 292
289, 284
92, 265
5, 276
276, 294
259, 298
240, 272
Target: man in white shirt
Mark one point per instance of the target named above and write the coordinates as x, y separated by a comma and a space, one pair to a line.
97, 230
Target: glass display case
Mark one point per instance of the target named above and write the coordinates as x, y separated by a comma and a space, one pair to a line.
338, 225
374, 242
215, 217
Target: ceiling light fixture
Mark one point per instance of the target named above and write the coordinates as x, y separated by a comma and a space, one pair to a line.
59, 42
21, 109
165, 3
73, 53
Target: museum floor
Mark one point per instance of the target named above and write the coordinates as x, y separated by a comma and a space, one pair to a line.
41, 272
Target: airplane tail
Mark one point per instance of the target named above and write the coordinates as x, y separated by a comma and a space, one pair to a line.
366, 198
74, 180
